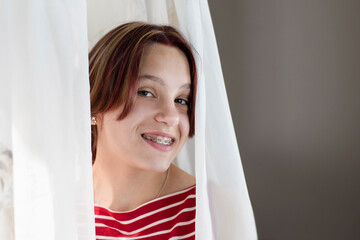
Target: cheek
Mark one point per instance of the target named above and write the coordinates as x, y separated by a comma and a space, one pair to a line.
138, 114
112, 130
185, 125
141, 107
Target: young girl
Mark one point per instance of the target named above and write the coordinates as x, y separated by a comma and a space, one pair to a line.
143, 87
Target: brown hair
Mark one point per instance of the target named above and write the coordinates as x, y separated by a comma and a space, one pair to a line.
114, 67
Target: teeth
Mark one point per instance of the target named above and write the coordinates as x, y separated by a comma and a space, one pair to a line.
160, 140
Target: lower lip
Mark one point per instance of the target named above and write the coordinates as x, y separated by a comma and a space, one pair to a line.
160, 147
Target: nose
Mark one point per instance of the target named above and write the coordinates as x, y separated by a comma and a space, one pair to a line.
167, 114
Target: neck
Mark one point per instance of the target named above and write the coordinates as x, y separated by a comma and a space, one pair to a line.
121, 187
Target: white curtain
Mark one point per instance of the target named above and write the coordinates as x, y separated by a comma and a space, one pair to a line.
45, 125
44, 114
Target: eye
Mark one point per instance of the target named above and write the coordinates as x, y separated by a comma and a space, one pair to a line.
182, 101
144, 93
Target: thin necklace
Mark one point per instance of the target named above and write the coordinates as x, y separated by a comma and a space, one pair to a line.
163, 186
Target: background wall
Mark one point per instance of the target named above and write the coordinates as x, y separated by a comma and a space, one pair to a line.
292, 72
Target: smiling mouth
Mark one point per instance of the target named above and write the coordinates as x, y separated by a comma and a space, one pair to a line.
160, 140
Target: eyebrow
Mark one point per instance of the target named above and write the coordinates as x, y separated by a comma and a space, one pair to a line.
148, 77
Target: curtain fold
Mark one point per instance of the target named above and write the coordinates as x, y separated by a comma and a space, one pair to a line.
48, 125
6, 163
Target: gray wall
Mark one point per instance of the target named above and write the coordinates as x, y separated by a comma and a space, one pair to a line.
292, 72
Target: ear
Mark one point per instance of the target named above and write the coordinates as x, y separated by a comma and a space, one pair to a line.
93, 120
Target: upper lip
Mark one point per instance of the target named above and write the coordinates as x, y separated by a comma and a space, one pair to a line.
160, 134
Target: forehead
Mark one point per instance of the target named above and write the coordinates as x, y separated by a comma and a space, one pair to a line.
160, 81
165, 65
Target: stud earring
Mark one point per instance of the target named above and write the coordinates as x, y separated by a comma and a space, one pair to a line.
94, 119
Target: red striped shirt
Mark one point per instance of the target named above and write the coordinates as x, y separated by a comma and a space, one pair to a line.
168, 217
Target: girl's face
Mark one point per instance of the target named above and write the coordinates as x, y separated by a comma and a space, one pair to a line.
157, 126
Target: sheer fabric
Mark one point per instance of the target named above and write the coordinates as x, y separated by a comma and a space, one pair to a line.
45, 125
